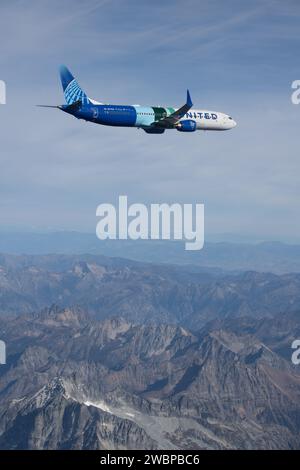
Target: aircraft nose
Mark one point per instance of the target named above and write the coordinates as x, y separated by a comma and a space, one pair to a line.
229, 122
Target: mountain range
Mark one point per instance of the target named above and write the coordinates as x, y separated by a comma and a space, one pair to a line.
73, 382
225, 252
108, 353
142, 292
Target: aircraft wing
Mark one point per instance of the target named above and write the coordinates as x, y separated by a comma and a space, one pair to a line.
169, 121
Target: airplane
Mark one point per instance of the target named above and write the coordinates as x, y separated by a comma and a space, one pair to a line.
152, 119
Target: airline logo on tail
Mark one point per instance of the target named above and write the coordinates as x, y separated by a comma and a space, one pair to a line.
72, 90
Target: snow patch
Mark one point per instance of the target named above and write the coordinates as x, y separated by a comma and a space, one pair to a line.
102, 406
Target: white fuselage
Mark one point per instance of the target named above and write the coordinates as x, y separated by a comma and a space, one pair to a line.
210, 120
204, 119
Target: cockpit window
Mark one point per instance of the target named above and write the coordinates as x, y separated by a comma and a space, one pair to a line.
230, 118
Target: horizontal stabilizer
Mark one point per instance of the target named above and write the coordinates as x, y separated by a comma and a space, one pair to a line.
63, 107
72, 106
46, 106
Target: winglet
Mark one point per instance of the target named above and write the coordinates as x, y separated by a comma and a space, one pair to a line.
170, 121
188, 99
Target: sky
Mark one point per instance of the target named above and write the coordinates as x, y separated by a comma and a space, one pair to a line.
236, 57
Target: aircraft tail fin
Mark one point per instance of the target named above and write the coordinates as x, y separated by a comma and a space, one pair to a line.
72, 91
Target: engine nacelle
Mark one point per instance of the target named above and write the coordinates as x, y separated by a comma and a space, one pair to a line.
188, 125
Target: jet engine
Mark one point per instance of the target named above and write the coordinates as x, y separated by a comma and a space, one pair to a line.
188, 125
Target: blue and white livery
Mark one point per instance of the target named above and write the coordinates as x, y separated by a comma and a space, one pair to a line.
152, 119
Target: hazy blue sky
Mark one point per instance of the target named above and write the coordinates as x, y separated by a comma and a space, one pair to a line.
235, 56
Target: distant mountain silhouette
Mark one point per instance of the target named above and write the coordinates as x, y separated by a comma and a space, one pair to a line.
260, 256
